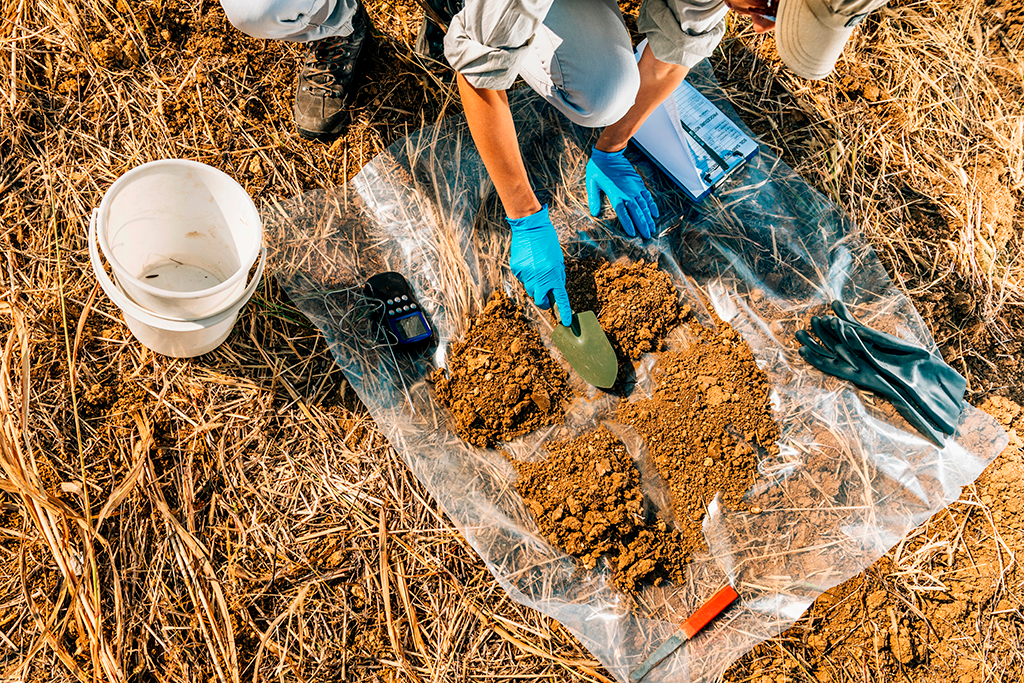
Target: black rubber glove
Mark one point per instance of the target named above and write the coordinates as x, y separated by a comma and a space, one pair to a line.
923, 378
836, 359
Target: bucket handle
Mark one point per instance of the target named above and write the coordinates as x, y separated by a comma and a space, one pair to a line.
148, 317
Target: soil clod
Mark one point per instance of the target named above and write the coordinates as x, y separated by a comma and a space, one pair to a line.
636, 303
705, 423
587, 501
500, 381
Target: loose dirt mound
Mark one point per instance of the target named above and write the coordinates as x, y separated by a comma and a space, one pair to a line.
635, 303
708, 416
587, 500
501, 382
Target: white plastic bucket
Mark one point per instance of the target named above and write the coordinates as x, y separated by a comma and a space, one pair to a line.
180, 284
179, 338
180, 237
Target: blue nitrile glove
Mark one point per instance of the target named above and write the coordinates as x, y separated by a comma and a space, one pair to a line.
611, 173
537, 261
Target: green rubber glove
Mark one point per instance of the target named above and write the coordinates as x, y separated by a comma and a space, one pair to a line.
834, 358
911, 365
924, 378
612, 174
536, 260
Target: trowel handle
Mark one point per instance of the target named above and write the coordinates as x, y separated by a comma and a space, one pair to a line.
575, 327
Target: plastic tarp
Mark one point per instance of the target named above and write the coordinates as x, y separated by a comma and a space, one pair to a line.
765, 252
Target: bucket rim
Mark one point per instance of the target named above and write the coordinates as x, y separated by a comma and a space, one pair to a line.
152, 319
247, 260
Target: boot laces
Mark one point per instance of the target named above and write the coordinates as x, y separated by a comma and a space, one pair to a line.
326, 64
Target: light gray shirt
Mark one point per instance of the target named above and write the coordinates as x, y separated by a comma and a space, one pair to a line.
488, 39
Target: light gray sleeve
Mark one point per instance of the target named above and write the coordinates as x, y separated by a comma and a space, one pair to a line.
682, 31
488, 40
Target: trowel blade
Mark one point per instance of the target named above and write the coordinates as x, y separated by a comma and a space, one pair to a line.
587, 349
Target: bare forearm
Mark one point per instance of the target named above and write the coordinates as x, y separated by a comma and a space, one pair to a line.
657, 81
494, 132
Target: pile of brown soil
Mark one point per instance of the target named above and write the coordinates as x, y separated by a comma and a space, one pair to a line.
636, 303
501, 382
587, 500
709, 414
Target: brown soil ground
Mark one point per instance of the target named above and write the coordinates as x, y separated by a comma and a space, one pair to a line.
500, 382
707, 424
275, 536
944, 605
705, 427
587, 500
636, 303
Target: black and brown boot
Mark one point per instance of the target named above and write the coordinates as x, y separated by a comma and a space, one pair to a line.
324, 90
437, 14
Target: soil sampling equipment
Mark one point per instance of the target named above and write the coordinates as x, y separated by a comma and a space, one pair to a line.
401, 319
715, 605
180, 238
847, 484
586, 348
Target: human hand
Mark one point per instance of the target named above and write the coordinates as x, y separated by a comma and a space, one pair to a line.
611, 173
762, 13
537, 262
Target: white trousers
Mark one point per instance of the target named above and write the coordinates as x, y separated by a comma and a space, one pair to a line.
581, 59
298, 21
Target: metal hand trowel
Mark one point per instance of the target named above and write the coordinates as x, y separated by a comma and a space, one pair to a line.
587, 349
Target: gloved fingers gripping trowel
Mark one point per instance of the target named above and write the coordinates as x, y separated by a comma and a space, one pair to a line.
536, 260
837, 360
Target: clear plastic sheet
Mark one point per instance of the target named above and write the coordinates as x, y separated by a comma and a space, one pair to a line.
766, 252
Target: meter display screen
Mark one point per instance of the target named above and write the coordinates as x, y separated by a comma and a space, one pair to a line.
411, 326
401, 322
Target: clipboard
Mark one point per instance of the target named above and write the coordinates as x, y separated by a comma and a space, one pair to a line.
692, 141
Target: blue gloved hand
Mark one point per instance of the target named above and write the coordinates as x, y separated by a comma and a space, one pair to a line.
611, 173
537, 261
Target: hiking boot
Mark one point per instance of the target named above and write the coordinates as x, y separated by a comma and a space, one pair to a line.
430, 42
437, 14
323, 92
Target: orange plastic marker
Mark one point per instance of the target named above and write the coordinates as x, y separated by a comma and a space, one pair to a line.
709, 610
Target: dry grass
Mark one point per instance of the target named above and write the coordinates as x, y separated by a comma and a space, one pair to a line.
917, 135
239, 517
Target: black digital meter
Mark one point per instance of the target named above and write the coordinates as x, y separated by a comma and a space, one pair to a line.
400, 314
